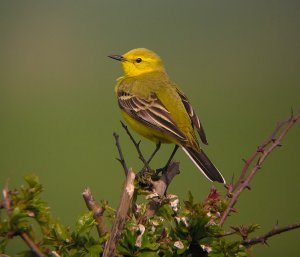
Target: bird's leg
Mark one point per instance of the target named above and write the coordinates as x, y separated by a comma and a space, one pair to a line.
163, 169
154, 152
146, 167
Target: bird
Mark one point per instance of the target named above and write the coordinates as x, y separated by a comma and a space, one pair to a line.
156, 108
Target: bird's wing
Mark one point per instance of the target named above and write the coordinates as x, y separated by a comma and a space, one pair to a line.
150, 112
193, 116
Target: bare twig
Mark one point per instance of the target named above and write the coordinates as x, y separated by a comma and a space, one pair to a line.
97, 210
275, 231
127, 194
34, 247
6, 200
121, 159
264, 150
137, 146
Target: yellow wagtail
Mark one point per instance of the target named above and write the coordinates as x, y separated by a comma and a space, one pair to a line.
156, 108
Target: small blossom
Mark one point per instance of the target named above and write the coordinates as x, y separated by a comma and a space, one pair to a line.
213, 195
155, 223
183, 219
206, 248
138, 208
140, 228
174, 204
150, 196
171, 196
178, 244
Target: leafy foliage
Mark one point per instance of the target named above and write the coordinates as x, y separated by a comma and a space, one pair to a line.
27, 208
177, 229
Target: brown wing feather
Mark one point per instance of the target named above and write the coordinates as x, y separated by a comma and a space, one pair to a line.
193, 116
151, 112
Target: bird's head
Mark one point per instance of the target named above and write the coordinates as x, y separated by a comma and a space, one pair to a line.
139, 61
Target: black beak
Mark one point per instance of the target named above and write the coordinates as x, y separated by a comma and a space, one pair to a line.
117, 57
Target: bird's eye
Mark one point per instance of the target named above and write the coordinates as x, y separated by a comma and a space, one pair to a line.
138, 60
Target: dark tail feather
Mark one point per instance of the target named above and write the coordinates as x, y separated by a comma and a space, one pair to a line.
204, 164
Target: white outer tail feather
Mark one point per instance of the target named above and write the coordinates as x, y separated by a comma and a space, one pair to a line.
188, 154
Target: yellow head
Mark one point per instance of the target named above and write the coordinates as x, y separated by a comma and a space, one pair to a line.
139, 61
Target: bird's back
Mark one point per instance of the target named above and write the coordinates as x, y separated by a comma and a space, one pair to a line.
159, 83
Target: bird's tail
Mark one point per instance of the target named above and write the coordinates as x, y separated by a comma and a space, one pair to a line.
202, 162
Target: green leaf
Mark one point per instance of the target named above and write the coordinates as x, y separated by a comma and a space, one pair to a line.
148, 242
147, 254
60, 232
85, 223
26, 254
17, 214
3, 244
32, 181
166, 212
253, 227
95, 250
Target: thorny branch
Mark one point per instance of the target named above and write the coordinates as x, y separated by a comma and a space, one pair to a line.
159, 188
121, 159
275, 231
235, 189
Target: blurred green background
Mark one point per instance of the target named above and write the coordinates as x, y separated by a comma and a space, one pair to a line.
238, 61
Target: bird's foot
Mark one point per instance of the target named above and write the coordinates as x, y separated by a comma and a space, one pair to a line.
162, 170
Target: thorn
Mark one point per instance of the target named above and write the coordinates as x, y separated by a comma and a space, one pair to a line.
260, 149
265, 242
258, 166
248, 187
232, 180
292, 113
229, 195
233, 210
245, 161
279, 145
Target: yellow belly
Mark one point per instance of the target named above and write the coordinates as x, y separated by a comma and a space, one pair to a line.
148, 132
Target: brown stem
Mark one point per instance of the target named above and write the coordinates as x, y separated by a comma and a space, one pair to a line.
275, 231
34, 247
121, 159
97, 210
268, 141
127, 194
6, 200
265, 149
